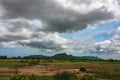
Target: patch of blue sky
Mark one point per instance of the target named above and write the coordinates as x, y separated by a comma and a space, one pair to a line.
23, 52
101, 32
105, 31
18, 51
118, 2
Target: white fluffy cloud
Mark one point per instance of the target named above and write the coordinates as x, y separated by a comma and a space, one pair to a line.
47, 41
11, 45
82, 6
111, 46
108, 47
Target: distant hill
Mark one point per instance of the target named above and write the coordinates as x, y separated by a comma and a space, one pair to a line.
36, 57
63, 56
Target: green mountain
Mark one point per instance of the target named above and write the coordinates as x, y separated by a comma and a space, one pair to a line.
63, 56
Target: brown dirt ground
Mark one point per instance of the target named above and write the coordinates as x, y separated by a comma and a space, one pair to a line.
41, 70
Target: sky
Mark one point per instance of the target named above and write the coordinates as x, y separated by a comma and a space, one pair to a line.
48, 27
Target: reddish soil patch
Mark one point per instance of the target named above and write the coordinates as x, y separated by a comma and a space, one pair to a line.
45, 70
40, 70
7, 71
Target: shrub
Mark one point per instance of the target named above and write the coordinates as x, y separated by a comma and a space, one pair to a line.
88, 78
22, 77
16, 71
33, 77
82, 69
33, 62
111, 60
65, 76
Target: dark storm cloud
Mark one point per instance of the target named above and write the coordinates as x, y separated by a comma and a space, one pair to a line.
13, 30
55, 16
47, 41
50, 45
12, 37
19, 33
24, 8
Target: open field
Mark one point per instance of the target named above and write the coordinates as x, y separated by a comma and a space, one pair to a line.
103, 70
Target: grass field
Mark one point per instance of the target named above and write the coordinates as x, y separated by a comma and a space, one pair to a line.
103, 70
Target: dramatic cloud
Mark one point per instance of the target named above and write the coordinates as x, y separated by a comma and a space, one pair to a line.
62, 15
56, 43
24, 33
12, 30
39, 23
50, 42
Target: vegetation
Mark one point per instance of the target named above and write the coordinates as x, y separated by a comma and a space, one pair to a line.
89, 78
100, 69
31, 77
58, 76
82, 69
65, 76
61, 56
3, 57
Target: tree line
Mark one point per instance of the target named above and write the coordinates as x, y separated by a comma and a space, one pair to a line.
60, 56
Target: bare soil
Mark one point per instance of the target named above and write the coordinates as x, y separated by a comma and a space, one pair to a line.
41, 70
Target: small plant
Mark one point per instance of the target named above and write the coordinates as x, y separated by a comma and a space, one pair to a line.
33, 62
30, 77
16, 71
22, 77
82, 69
88, 78
33, 77
65, 76
111, 60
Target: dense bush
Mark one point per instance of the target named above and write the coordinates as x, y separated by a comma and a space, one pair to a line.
65, 76
82, 69
88, 78
22, 77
